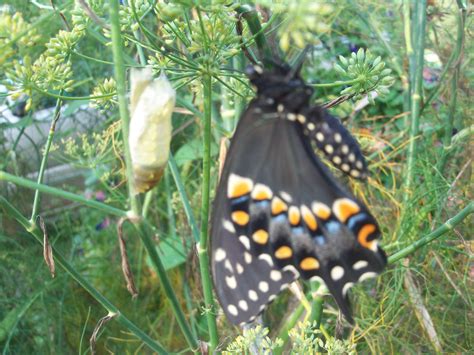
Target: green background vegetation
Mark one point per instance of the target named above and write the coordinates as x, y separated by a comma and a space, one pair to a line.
416, 136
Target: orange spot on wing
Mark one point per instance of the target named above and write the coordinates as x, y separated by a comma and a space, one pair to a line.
321, 210
260, 237
344, 208
294, 215
278, 206
283, 252
309, 218
261, 192
364, 233
240, 217
238, 186
309, 263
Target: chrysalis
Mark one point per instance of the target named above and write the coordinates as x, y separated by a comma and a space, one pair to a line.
151, 106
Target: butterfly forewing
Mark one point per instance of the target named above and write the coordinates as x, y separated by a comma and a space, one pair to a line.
279, 215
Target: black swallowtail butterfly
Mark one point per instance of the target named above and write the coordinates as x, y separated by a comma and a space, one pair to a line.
279, 214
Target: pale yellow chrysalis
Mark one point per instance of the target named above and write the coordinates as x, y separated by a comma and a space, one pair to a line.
151, 106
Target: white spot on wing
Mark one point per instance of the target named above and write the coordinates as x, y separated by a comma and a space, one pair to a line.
267, 258
286, 196
239, 268
253, 295
346, 288
228, 266
367, 275
320, 136
338, 138
355, 173
245, 241
311, 126
275, 275
263, 286
243, 305
219, 255
231, 282
232, 310
271, 298
258, 69
292, 269
360, 264
329, 148
337, 272
228, 226
345, 149
280, 108
248, 257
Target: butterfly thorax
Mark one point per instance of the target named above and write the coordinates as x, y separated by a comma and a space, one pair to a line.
281, 86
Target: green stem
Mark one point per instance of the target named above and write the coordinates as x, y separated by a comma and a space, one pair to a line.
60, 193
449, 122
338, 83
145, 236
446, 227
203, 240
70, 98
119, 71
416, 96
184, 197
251, 16
44, 160
111, 308
316, 304
289, 324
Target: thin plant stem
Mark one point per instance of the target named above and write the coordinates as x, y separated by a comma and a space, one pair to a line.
449, 121
203, 240
61, 193
103, 301
446, 227
316, 304
251, 16
44, 160
337, 83
119, 72
416, 97
144, 233
283, 334
184, 197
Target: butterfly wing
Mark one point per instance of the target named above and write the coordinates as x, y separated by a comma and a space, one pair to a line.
279, 215
335, 141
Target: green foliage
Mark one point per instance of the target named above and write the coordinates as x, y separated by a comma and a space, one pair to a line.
307, 339
253, 341
367, 74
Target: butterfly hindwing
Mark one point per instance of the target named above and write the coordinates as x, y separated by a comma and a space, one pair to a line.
279, 215
334, 141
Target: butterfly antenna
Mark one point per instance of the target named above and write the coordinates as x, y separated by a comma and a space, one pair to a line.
298, 62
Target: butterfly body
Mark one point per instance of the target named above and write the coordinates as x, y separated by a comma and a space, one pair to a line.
279, 214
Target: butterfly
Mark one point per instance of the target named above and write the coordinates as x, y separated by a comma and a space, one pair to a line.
279, 214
